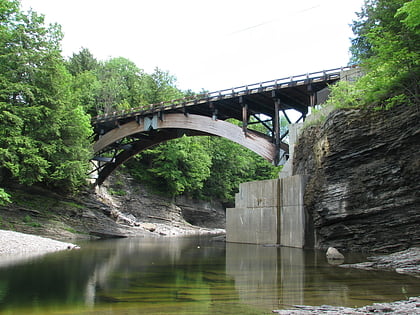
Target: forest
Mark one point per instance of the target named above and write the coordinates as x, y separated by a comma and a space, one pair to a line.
47, 101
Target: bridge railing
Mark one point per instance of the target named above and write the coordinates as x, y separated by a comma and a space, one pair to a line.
227, 93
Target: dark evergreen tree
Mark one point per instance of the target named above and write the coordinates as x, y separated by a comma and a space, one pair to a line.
43, 135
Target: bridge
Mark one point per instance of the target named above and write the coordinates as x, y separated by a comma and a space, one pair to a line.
121, 135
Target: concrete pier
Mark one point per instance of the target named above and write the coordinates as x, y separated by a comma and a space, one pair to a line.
270, 211
255, 218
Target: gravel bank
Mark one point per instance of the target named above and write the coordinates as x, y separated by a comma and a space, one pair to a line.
15, 246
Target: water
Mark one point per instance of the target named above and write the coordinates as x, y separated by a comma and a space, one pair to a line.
188, 276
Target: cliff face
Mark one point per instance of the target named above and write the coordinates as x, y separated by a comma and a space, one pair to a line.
139, 205
364, 187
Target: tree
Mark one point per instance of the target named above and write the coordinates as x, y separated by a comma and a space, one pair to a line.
43, 135
82, 62
161, 87
233, 164
122, 85
175, 167
387, 46
410, 12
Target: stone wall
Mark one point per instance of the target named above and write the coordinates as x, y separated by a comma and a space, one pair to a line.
363, 190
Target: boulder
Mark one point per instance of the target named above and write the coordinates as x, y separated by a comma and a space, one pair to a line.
148, 226
334, 254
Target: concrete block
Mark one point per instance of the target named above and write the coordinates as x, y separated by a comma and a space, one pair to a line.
269, 212
294, 130
292, 190
292, 226
252, 225
257, 194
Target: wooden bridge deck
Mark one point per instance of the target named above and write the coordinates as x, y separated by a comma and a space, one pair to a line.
122, 134
294, 92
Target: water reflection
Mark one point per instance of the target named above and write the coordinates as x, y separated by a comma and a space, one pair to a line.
188, 276
283, 277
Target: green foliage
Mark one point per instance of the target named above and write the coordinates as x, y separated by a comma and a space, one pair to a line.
82, 62
117, 192
117, 84
4, 197
410, 12
203, 167
387, 46
177, 166
45, 129
122, 86
43, 135
233, 164
161, 87
29, 221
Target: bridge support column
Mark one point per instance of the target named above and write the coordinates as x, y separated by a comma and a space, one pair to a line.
276, 125
269, 212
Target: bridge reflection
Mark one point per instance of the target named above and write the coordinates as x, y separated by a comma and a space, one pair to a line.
190, 275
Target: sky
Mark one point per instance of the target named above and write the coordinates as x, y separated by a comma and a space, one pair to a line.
205, 44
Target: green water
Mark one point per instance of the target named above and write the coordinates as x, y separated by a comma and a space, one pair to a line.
187, 276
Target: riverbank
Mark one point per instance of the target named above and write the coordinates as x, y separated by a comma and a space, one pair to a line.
16, 247
403, 262
15, 243
97, 213
406, 307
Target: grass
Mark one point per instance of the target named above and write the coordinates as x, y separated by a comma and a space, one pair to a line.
29, 221
71, 230
117, 192
72, 204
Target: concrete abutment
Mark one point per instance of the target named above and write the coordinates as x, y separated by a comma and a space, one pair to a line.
271, 211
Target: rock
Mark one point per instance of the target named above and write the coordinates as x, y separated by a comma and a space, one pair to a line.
363, 192
404, 262
220, 238
334, 254
139, 205
410, 306
75, 247
107, 234
148, 226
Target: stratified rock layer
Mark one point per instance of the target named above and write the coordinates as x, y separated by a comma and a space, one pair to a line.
364, 187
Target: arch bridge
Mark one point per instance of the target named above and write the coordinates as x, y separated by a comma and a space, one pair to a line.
120, 135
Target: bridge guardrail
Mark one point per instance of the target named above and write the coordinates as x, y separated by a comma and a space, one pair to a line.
226, 93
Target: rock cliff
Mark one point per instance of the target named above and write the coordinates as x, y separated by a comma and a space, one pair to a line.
139, 205
121, 207
363, 191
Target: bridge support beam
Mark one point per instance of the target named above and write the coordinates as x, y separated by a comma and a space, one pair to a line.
171, 126
276, 125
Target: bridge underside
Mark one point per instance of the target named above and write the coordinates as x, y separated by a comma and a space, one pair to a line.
120, 144
121, 135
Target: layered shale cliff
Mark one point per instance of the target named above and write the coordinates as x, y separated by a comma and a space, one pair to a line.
363, 191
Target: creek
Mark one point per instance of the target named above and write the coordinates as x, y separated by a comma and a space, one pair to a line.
189, 275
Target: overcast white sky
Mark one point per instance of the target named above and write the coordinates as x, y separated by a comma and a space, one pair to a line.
207, 44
